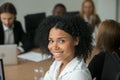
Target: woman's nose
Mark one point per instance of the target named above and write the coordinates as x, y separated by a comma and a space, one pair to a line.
55, 46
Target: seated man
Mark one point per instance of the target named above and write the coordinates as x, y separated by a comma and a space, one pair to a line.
59, 10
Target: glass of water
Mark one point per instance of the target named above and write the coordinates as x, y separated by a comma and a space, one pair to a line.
38, 73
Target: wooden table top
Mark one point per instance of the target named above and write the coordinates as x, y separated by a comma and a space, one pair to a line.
24, 70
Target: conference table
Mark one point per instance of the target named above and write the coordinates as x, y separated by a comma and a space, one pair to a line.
24, 70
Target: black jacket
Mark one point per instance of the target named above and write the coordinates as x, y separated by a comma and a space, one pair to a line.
96, 65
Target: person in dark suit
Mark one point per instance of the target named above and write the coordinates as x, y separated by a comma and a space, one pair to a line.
11, 31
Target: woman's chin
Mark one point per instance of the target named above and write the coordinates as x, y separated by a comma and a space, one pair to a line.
58, 59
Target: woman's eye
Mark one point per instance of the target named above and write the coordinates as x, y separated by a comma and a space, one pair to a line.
50, 41
61, 41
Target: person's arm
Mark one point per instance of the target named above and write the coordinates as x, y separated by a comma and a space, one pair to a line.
27, 45
23, 38
96, 65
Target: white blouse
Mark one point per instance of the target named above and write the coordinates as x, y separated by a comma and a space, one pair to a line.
75, 70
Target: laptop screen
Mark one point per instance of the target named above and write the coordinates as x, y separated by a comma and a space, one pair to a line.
2, 77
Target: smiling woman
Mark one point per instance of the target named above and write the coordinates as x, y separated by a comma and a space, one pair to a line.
69, 41
61, 43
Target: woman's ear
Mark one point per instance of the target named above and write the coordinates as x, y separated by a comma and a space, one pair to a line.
76, 41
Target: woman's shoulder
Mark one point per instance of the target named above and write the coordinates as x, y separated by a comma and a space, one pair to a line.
82, 67
101, 55
97, 15
81, 72
16, 22
98, 59
18, 25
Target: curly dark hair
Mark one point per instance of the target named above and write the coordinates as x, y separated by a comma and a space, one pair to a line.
41, 35
73, 25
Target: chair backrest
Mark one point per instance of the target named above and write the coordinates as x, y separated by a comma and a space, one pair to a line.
32, 21
118, 76
111, 69
73, 13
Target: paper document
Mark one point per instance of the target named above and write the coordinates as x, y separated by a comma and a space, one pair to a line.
34, 56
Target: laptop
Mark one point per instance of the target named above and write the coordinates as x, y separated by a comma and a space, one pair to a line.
2, 77
8, 54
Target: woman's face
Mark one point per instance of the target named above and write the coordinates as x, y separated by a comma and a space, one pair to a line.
87, 8
61, 45
7, 19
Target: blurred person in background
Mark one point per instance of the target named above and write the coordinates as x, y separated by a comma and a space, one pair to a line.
88, 13
11, 31
59, 10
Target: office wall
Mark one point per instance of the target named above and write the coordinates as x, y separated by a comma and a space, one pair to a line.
119, 10
107, 9
24, 7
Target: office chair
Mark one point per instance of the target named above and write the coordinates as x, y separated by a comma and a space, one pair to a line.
72, 13
31, 23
